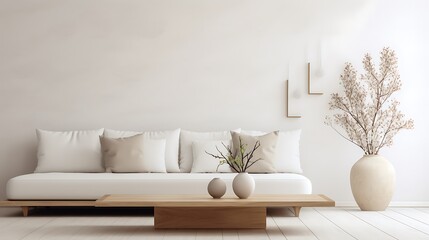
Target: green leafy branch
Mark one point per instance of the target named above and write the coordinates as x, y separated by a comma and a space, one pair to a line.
241, 161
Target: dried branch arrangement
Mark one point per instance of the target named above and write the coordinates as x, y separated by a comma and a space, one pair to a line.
367, 112
239, 162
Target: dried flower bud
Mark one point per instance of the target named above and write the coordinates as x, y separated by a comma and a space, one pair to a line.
367, 113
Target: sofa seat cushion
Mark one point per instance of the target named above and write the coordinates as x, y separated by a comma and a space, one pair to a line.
91, 186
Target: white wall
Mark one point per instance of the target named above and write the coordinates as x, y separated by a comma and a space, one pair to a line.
207, 65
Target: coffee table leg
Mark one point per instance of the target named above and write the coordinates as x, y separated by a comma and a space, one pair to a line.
296, 210
210, 217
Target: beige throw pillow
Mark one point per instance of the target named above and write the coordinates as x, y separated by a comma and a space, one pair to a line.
287, 150
133, 154
266, 152
171, 143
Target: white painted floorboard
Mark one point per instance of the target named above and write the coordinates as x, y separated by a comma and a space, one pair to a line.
414, 214
353, 225
322, 227
291, 227
209, 234
273, 231
229, 234
407, 221
391, 226
313, 224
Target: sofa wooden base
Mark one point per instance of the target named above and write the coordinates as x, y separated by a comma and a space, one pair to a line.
26, 205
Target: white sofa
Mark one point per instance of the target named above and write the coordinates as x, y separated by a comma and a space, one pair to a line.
91, 186
50, 182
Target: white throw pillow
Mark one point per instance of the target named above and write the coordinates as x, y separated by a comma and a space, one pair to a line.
203, 162
171, 144
188, 137
287, 156
287, 150
69, 151
154, 155
133, 154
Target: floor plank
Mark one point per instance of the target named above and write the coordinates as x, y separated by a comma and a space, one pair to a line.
290, 226
386, 224
321, 227
8, 221
58, 228
24, 226
136, 227
146, 230
99, 228
273, 231
229, 234
174, 234
353, 225
209, 234
404, 219
251, 234
423, 209
414, 214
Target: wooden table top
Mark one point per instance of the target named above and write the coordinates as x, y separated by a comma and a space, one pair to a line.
288, 200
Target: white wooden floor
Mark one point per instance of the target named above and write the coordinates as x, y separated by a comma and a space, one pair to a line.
314, 223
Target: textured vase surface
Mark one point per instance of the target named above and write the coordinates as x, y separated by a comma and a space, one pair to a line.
372, 179
216, 188
243, 185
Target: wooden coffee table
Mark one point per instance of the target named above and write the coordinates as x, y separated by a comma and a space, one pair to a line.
202, 211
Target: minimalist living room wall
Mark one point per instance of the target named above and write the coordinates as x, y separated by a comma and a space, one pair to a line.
208, 65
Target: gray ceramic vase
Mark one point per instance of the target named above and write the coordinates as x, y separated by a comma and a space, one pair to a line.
216, 188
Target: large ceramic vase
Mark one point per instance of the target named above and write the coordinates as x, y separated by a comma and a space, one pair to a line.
243, 185
372, 179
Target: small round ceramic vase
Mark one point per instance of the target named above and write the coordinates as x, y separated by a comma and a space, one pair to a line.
243, 185
216, 188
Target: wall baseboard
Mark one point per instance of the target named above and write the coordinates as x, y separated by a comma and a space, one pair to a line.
392, 204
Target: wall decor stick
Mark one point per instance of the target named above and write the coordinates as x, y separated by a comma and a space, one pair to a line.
309, 81
287, 102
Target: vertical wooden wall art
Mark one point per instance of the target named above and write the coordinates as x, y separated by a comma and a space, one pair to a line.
309, 81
